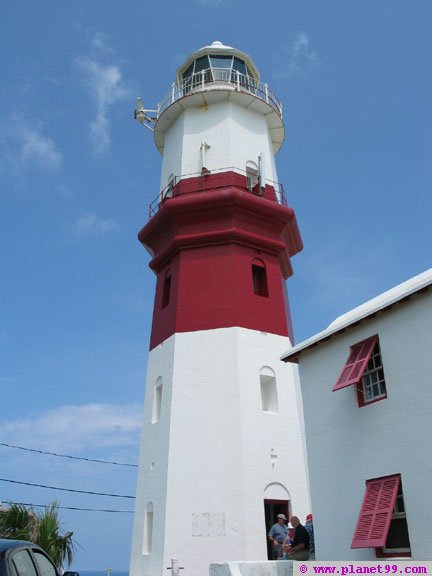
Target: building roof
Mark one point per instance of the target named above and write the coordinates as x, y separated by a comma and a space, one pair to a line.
380, 303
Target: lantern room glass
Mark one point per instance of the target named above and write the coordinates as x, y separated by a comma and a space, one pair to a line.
216, 67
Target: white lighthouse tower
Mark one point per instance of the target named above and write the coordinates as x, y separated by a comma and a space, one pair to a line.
222, 448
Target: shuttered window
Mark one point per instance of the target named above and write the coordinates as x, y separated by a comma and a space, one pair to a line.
356, 364
376, 512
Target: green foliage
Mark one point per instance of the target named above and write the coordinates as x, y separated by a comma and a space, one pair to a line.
19, 522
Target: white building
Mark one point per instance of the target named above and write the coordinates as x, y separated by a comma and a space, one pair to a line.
222, 448
366, 383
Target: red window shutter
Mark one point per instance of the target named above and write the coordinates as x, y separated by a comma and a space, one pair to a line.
376, 512
356, 364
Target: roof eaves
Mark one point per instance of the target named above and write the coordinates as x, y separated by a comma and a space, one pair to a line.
335, 328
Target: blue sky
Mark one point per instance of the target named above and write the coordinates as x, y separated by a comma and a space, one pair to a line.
77, 175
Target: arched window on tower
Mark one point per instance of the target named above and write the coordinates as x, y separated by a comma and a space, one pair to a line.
259, 278
269, 395
166, 291
157, 401
148, 529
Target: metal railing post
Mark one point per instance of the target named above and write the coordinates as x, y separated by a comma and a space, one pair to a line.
174, 188
197, 81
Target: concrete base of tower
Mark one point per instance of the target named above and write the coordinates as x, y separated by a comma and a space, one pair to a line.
282, 568
222, 449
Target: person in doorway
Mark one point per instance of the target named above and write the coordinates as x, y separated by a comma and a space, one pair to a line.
309, 527
276, 535
299, 549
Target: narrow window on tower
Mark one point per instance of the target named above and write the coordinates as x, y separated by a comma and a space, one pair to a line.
148, 529
269, 396
157, 401
166, 292
169, 189
259, 278
252, 176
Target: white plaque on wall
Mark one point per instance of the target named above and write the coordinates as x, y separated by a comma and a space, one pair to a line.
208, 524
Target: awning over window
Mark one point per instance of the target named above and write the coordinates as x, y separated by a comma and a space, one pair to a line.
376, 512
356, 364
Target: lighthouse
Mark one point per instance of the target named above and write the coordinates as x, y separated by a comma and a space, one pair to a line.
222, 447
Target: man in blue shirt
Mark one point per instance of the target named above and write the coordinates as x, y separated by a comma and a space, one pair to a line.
277, 534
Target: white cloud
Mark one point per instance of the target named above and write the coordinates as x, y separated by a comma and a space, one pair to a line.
99, 41
106, 87
76, 428
299, 58
25, 144
90, 223
39, 148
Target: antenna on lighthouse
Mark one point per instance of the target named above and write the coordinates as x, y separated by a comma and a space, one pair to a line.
142, 116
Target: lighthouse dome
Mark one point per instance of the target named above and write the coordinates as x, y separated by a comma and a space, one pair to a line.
220, 62
217, 44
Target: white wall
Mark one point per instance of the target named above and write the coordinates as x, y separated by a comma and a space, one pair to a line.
348, 445
213, 450
234, 133
152, 477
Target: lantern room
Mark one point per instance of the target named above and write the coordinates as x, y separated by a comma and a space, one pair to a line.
218, 115
218, 63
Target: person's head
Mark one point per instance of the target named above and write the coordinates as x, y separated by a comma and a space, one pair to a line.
309, 518
295, 521
281, 518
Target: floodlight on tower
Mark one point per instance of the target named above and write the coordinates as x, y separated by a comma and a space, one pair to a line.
142, 115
